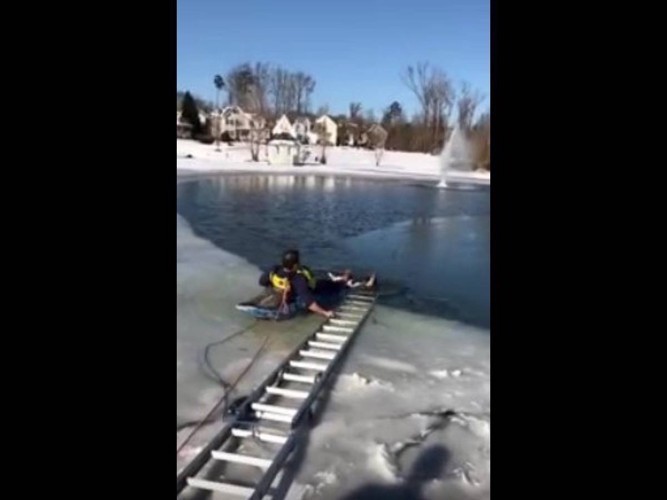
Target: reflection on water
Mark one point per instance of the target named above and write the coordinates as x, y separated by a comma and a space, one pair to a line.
430, 246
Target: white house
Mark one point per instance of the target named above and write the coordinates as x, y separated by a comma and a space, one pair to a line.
329, 127
235, 122
283, 126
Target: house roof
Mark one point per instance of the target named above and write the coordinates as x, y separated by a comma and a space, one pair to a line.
326, 119
283, 126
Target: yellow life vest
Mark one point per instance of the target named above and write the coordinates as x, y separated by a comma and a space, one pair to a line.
281, 283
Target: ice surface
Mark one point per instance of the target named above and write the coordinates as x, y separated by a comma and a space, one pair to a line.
210, 282
384, 429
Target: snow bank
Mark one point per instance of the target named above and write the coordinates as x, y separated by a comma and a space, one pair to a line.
340, 161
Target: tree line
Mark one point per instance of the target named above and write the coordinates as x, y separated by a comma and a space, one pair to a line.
271, 91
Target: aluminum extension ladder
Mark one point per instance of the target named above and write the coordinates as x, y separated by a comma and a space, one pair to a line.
278, 402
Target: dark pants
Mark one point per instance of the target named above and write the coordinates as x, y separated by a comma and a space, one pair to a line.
327, 294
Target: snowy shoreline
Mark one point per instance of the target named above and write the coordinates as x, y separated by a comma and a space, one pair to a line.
204, 161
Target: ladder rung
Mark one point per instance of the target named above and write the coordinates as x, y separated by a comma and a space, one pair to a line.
241, 459
324, 345
262, 436
308, 366
349, 315
352, 308
274, 409
293, 377
275, 417
330, 328
328, 336
231, 489
317, 354
358, 296
357, 303
343, 322
288, 393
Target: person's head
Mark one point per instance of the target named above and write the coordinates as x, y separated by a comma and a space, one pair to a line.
290, 259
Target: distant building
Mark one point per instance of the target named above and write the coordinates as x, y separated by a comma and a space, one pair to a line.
234, 123
283, 128
329, 127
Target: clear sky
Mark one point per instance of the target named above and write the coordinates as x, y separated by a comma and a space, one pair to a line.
355, 49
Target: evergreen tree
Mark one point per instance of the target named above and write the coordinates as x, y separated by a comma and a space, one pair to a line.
190, 113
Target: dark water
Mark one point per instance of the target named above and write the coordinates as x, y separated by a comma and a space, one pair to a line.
430, 247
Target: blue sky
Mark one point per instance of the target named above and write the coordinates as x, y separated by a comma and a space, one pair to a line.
356, 50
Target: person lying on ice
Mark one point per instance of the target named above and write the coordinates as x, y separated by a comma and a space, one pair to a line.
299, 289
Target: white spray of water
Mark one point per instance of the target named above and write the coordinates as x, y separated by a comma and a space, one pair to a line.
455, 150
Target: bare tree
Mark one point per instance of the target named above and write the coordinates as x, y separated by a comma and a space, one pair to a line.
355, 111
323, 140
278, 87
256, 136
481, 135
310, 88
377, 138
304, 86
467, 105
289, 92
219, 85
240, 83
260, 88
259, 134
417, 80
435, 94
323, 110
248, 87
443, 96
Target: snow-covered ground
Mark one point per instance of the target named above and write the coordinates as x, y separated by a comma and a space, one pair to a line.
385, 433
340, 160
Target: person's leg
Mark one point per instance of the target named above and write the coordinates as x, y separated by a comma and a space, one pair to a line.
344, 277
329, 293
325, 287
368, 282
351, 282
